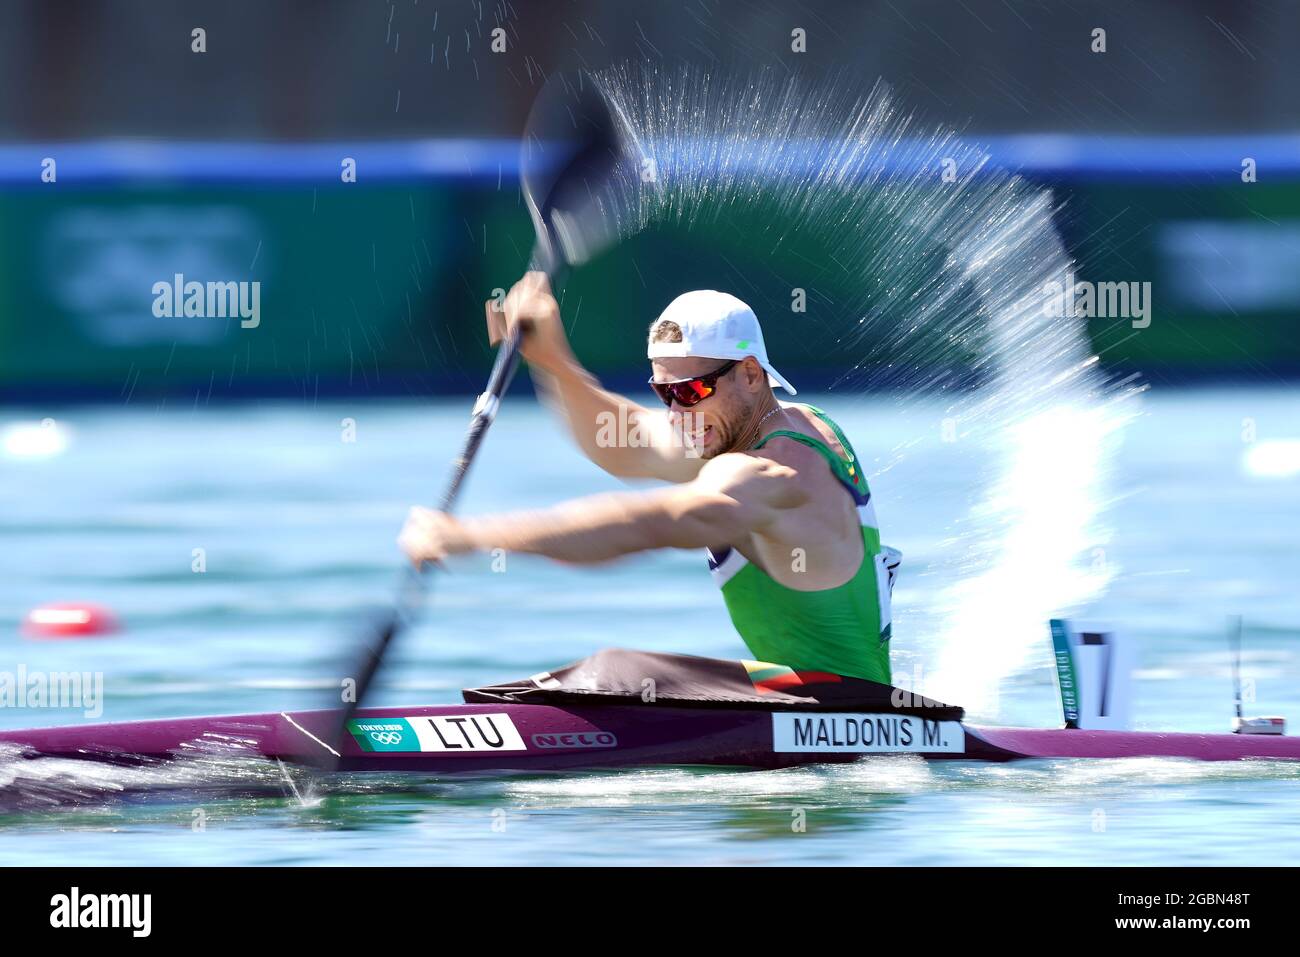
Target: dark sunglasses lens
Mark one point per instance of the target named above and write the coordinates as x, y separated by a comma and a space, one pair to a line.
690, 393
686, 394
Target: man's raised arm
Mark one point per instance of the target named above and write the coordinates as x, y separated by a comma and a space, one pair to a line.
617, 434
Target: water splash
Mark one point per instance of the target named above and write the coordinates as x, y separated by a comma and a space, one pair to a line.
213, 764
949, 260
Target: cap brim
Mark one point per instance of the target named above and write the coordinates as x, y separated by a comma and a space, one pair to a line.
775, 378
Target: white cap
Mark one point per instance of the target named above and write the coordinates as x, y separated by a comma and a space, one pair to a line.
714, 325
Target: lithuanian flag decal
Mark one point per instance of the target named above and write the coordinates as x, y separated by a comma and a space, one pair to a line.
766, 676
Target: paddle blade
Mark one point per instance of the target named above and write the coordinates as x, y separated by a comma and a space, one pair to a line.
574, 168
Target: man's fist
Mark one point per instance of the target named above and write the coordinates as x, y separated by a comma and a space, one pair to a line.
531, 305
430, 536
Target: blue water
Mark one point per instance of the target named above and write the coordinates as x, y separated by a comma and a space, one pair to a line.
298, 528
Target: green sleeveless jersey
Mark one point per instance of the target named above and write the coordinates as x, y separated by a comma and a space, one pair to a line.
843, 630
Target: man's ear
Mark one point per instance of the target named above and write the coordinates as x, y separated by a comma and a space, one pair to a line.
755, 374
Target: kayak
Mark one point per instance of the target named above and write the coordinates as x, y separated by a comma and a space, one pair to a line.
595, 714
475, 738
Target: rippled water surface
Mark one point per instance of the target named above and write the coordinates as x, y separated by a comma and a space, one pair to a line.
298, 529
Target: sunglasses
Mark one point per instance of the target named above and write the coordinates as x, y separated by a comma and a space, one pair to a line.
692, 391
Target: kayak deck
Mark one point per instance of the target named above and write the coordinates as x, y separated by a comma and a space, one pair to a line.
534, 737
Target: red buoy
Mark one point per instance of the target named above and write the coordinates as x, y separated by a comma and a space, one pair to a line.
68, 620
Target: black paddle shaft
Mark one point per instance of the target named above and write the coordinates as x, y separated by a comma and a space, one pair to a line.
414, 584
572, 148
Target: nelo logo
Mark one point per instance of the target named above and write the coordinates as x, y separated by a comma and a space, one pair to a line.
576, 739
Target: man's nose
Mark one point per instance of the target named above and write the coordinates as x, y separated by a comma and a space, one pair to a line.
684, 417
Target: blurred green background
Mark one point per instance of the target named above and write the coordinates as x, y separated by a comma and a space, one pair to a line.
223, 164
379, 288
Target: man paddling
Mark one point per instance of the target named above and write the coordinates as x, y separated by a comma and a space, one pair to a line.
773, 491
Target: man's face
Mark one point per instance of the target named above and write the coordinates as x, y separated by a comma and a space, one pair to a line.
712, 425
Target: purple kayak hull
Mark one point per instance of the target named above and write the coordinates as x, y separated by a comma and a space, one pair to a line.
514, 737
1062, 743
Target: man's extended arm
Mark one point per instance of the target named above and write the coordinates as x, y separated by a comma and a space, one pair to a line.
733, 496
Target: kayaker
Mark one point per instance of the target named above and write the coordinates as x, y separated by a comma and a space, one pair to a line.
774, 492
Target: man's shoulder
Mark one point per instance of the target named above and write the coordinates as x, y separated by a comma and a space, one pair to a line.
732, 467
789, 451
819, 428
753, 478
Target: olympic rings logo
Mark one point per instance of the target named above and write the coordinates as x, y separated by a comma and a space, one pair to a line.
386, 737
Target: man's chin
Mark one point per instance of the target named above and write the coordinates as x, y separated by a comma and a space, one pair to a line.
703, 444
711, 450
